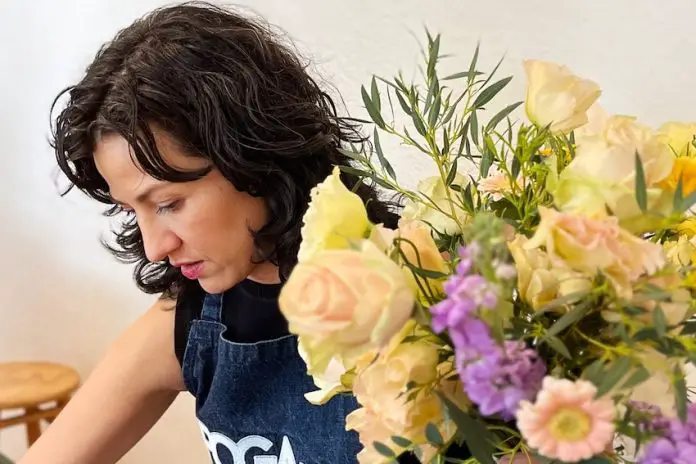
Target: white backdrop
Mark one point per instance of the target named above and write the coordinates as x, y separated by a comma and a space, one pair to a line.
63, 298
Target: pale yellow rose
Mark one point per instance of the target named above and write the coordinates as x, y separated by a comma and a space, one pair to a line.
539, 280
335, 217
590, 246
328, 381
380, 387
346, 302
556, 97
680, 137
602, 175
498, 184
440, 217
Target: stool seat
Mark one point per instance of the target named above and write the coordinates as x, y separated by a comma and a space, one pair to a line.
28, 387
24, 384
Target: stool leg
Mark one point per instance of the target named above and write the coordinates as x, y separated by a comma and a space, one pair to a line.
33, 427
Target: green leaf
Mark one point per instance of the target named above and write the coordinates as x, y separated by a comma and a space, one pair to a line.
468, 198
404, 106
659, 322
568, 319
401, 441
451, 174
489, 152
357, 156
374, 94
641, 191
515, 168
418, 124
382, 159
372, 109
474, 128
594, 372
639, 376
472, 66
425, 273
383, 449
558, 346
366, 175
502, 114
479, 440
461, 75
561, 301
491, 91
688, 202
434, 111
678, 195
680, 392
433, 435
614, 373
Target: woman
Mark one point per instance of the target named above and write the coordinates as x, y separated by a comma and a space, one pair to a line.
205, 133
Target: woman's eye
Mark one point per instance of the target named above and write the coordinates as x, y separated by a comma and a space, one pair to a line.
168, 208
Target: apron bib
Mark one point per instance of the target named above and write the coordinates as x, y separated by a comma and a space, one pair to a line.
250, 400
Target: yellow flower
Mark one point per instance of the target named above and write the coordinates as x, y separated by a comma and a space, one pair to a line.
420, 250
335, 217
381, 387
687, 227
602, 174
346, 302
556, 97
680, 137
328, 380
681, 252
540, 281
590, 246
684, 169
440, 217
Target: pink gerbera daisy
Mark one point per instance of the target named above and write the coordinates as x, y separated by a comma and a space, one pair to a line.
566, 422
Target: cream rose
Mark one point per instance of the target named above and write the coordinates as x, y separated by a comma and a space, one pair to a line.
539, 281
590, 246
603, 175
346, 301
556, 97
335, 216
440, 217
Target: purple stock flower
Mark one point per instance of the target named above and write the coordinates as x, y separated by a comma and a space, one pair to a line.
678, 446
501, 378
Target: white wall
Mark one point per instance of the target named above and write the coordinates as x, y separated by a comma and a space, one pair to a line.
63, 298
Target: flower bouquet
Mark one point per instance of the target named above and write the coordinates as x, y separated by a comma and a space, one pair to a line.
534, 303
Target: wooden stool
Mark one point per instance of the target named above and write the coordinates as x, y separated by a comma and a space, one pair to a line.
27, 386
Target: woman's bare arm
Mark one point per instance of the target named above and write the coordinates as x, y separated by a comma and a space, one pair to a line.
123, 398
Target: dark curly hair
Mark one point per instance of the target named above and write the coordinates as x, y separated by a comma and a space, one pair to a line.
228, 89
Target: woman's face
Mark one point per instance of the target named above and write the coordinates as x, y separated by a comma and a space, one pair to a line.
202, 226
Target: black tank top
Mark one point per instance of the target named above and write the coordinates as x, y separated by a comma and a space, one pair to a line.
251, 314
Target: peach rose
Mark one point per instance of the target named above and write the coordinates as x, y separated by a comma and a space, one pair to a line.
381, 385
346, 301
590, 245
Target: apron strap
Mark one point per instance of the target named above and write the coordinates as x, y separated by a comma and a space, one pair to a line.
212, 307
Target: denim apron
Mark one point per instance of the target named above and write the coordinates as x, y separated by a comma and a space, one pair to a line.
250, 400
